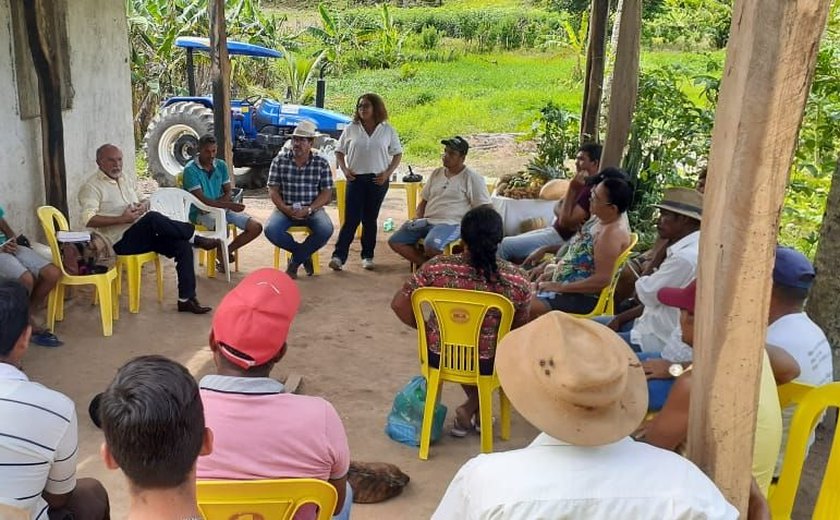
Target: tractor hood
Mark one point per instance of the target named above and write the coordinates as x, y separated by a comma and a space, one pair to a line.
235, 48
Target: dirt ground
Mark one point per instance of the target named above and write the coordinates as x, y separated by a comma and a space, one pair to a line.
346, 343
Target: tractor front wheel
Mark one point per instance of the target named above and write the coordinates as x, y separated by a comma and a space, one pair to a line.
171, 140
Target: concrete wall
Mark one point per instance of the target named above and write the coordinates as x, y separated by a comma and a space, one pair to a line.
98, 38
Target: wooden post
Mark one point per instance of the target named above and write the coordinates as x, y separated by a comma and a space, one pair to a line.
593, 84
220, 75
823, 305
625, 83
769, 67
38, 27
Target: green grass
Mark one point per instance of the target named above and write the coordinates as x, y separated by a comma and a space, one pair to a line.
477, 93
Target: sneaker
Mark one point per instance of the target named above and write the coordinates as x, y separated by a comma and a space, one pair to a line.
367, 263
336, 264
45, 338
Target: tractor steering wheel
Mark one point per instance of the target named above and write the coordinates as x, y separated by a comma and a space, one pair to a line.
252, 100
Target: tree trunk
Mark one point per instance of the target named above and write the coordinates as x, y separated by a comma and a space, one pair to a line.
594, 80
610, 66
824, 305
220, 75
39, 28
625, 84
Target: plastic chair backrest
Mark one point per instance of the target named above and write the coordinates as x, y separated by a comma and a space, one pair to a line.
793, 393
808, 412
172, 202
605, 304
460, 315
263, 499
52, 220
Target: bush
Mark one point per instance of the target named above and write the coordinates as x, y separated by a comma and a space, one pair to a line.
429, 38
486, 29
669, 140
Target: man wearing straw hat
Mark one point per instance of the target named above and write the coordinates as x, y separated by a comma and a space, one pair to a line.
300, 185
651, 328
584, 388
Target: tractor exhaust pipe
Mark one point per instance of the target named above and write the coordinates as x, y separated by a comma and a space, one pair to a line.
320, 89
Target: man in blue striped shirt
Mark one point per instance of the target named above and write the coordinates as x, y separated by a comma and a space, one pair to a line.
38, 432
300, 184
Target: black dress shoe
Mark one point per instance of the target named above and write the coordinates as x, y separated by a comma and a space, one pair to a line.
192, 306
206, 243
308, 267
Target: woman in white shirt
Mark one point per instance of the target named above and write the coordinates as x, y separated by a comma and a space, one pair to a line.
368, 152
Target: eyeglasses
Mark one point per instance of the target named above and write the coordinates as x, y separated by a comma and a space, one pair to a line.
593, 198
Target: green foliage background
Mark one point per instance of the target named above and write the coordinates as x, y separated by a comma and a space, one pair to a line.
486, 66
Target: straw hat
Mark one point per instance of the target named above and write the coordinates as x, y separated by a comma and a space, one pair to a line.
684, 201
574, 379
306, 128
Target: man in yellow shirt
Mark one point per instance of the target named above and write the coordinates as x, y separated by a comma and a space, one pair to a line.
669, 428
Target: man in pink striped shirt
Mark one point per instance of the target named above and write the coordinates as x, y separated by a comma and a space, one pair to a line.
259, 431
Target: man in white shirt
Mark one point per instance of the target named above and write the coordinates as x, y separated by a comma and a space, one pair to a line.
583, 387
653, 329
38, 432
111, 205
448, 194
792, 330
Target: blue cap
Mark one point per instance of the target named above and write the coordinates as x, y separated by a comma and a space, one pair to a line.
793, 269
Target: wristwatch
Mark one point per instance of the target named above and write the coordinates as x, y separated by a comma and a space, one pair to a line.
676, 370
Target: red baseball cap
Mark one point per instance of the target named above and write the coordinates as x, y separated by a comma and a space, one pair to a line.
681, 298
255, 317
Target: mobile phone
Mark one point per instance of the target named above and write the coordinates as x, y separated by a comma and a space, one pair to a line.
418, 223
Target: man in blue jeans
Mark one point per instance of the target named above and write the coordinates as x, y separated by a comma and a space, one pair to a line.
300, 185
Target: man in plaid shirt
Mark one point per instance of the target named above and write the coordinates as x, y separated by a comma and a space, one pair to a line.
300, 185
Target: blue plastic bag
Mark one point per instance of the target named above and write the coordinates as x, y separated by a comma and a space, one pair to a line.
405, 421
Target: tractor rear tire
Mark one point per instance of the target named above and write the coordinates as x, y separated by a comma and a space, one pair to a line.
172, 139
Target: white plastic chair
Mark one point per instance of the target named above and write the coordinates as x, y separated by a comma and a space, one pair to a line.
175, 203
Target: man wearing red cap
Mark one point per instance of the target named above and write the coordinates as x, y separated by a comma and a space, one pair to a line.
288, 436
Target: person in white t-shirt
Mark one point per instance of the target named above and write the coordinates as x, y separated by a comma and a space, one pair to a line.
38, 432
792, 330
449, 193
368, 153
582, 386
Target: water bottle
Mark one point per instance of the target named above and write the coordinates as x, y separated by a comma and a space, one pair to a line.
388, 225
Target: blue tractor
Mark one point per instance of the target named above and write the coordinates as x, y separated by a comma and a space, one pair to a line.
260, 127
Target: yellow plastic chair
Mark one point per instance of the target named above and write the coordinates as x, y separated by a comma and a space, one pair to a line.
605, 304
288, 256
808, 412
792, 393
263, 499
133, 265
460, 314
106, 283
448, 250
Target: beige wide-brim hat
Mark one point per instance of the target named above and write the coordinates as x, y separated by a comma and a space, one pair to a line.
684, 201
573, 379
306, 129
